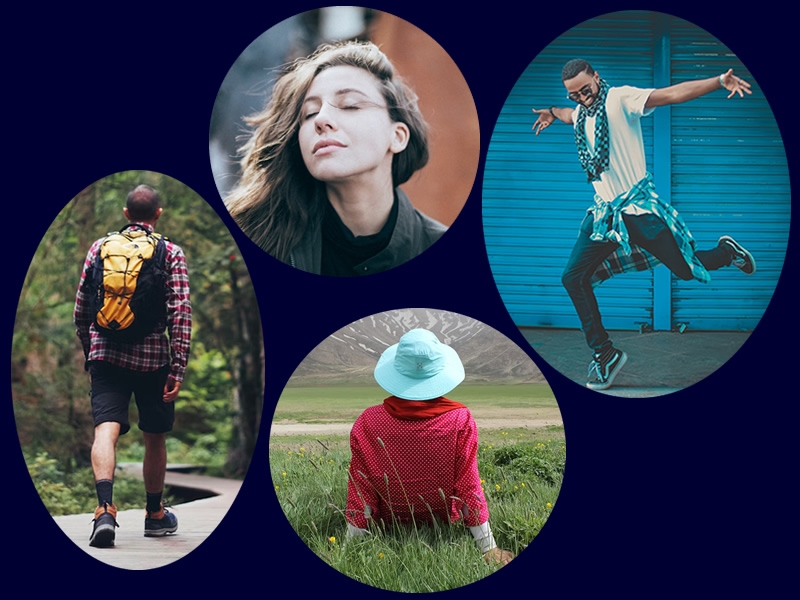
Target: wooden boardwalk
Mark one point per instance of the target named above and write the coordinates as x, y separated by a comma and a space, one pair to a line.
196, 520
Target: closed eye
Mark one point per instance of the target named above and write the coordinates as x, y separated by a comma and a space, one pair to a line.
352, 106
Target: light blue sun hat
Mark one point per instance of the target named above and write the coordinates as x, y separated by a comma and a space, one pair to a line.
419, 367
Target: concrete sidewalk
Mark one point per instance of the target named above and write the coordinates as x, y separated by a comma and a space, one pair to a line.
196, 520
658, 362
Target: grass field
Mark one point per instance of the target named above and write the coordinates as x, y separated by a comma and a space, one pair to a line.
521, 471
326, 404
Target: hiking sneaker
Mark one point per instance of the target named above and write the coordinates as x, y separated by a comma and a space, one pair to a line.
602, 371
105, 520
159, 523
742, 259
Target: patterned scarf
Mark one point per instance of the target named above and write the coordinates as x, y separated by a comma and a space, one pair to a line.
593, 164
414, 410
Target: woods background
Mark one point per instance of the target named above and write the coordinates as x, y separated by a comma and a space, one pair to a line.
219, 406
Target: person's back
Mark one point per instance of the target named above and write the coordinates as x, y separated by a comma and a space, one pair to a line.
415, 457
149, 366
419, 468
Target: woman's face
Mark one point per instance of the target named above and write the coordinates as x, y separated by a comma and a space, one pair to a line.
346, 134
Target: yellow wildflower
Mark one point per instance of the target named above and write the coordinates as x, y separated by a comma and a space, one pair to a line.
332, 540
380, 554
283, 473
549, 505
496, 486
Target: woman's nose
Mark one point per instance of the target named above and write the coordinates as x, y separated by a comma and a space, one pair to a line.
324, 118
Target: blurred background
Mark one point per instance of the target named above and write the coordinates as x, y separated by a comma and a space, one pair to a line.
442, 187
218, 410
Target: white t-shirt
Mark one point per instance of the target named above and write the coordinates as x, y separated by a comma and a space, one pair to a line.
626, 160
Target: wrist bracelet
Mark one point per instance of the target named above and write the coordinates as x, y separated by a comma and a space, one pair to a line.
552, 113
722, 85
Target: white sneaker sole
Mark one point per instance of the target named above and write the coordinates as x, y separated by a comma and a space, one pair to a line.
598, 387
743, 250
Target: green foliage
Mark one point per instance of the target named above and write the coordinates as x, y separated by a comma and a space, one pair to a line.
71, 493
49, 386
543, 461
310, 481
207, 450
427, 560
203, 406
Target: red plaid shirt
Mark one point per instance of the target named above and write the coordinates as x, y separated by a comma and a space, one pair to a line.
155, 350
421, 461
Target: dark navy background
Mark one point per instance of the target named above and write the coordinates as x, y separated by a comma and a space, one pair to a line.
684, 494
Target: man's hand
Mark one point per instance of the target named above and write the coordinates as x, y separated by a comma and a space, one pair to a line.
498, 557
544, 121
734, 84
171, 389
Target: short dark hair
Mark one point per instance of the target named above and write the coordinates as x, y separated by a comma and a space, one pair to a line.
574, 68
143, 203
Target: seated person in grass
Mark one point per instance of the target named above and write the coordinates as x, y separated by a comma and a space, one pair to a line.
415, 457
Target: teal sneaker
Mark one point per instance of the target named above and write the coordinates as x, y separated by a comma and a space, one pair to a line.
740, 257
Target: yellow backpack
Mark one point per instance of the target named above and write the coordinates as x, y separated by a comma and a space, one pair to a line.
128, 284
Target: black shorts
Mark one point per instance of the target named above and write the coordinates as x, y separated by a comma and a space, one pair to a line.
112, 387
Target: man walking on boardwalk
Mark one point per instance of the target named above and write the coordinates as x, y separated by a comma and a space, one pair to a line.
148, 364
628, 219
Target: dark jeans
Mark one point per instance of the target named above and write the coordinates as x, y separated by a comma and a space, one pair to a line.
646, 231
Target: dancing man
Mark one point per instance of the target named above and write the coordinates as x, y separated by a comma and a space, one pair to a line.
628, 219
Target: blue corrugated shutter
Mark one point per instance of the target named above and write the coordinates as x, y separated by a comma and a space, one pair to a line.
729, 176
535, 193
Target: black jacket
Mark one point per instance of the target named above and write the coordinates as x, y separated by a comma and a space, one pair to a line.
413, 234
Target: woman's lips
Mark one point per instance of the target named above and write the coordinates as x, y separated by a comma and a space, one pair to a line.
326, 146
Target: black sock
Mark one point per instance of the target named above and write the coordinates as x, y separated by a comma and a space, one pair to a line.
105, 491
153, 502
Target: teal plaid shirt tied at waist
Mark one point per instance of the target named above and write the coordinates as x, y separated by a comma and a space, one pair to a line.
609, 226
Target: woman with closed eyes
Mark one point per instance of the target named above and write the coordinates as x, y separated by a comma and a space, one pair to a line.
321, 170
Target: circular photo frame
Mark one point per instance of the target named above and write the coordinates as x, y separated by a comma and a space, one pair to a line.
115, 425
344, 141
417, 440
684, 142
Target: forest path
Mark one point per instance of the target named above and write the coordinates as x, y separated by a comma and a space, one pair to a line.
196, 520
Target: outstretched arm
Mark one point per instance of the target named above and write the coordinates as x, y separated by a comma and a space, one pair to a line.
689, 90
548, 115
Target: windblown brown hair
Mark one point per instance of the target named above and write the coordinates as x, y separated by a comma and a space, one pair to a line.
276, 198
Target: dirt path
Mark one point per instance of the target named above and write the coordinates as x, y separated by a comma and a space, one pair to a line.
494, 418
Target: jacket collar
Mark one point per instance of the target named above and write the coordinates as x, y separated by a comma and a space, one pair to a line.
408, 240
